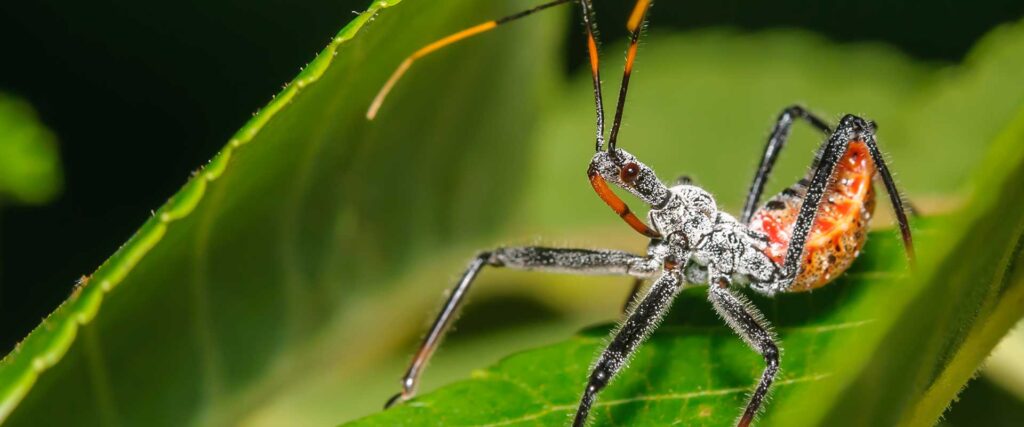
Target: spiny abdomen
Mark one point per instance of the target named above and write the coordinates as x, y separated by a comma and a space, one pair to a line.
840, 229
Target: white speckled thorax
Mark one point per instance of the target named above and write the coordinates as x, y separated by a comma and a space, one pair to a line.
712, 243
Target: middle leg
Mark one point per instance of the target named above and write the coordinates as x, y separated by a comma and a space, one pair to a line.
576, 261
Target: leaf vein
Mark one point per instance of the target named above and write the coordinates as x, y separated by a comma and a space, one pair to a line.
650, 398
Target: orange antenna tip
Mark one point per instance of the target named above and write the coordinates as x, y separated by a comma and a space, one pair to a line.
371, 113
637, 16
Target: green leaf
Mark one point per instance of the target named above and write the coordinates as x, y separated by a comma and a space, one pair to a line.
309, 211
29, 164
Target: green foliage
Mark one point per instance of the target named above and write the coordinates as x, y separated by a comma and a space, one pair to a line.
286, 281
29, 164
308, 208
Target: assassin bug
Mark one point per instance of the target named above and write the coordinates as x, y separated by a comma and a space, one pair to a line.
801, 239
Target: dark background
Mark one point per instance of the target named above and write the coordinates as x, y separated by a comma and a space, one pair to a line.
140, 95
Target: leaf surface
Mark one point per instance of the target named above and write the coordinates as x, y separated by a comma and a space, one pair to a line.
308, 210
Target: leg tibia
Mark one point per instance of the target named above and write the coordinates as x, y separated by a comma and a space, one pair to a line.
634, 331
750, 325
575, 261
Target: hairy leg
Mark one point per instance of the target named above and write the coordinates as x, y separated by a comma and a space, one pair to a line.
574, 261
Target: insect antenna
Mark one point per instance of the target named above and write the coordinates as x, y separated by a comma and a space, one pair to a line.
635, 26
595, 69
382, 94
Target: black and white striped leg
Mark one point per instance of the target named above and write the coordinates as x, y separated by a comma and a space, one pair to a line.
779, 135
628, 337
575, 261
750, 325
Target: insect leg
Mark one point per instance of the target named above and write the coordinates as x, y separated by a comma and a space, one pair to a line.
576, 261
779, 135
635, 27
850, 128
749, 324
628, 337
894, 193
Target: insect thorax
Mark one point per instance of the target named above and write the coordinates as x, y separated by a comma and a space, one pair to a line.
715, 245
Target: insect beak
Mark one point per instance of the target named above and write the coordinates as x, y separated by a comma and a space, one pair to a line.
613, 201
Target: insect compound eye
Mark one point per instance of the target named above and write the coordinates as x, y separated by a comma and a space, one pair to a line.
629, 172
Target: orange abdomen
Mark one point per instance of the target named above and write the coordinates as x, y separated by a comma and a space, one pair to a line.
840, 229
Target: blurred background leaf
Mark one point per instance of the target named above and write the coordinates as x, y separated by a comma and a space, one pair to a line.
999, 390
29, 164
205, 66
1005, 366
985, 402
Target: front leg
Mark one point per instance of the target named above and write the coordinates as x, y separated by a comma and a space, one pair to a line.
750, 325
575, 261
631, 334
